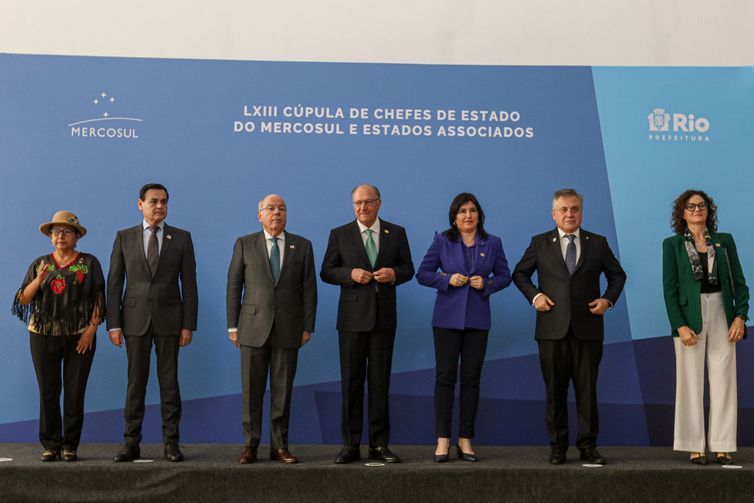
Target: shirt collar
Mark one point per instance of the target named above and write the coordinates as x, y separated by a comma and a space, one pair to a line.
146, 226
269, 236
562, 233
375, 226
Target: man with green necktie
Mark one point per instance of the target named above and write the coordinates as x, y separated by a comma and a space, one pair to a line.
367, 258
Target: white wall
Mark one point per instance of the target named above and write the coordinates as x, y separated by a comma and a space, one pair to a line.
495, 32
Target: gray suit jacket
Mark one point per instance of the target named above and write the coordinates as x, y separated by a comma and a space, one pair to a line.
168, 300
291, 303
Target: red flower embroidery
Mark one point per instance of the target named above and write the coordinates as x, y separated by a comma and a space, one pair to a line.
57, 286
79, 276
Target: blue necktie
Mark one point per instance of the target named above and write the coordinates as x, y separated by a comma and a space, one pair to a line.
570, 258
275, 259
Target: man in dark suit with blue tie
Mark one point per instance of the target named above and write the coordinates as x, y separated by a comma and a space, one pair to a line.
271, 303
367, 258
159, 306
569, 331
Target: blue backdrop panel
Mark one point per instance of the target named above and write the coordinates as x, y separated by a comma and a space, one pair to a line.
85, 133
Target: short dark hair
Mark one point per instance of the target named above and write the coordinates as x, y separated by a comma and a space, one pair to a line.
676, 220
455, 205
150, 186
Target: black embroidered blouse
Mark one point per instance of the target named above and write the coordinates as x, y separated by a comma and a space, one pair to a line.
65, 301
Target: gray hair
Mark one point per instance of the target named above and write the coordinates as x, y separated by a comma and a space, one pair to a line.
373, 187
259, 204
567, 193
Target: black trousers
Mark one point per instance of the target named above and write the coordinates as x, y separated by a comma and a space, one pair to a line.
255, 364
366, 356
139, 349
50, 355
561, 361
470, 346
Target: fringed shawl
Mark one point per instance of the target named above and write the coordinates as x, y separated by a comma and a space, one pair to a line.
65, 301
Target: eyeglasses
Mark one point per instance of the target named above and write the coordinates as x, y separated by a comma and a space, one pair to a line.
281, 209
367, 203
564, 209
65, 232
696, 206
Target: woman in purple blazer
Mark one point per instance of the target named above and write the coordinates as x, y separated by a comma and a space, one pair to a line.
466, 265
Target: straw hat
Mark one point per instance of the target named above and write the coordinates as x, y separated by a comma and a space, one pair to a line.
63, 217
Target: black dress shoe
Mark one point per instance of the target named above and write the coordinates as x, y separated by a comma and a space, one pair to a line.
173, 453
50, 455
466, 456
557, 456
593, 457
69, 455
248, 455
348, 455
283, 455
382, 453
127, 454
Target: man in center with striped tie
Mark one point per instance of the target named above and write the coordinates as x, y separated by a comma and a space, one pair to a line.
271, 302
569, 331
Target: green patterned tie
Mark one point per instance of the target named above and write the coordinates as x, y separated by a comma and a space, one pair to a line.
371, 247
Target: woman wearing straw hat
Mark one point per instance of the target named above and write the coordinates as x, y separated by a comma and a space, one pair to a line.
62, 298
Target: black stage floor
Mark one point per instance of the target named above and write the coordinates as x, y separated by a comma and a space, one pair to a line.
210, 474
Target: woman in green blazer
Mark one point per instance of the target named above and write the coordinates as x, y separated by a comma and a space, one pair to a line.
707, 302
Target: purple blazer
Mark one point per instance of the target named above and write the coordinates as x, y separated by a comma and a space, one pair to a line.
463, 307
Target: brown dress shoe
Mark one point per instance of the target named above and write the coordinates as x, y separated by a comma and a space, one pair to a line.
248, 455
283, 456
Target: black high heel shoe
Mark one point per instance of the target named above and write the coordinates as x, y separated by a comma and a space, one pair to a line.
466, 456
442, 458
50, 455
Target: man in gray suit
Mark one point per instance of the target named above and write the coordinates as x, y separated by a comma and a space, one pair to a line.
275, 272
159, 306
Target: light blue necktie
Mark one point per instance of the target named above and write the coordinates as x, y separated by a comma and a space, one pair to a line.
570, 258
275, 259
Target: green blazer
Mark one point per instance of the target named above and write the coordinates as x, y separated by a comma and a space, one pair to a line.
683, 292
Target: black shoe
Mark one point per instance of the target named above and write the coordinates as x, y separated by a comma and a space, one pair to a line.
69, 455
127, 454
725, 459
557, 456
699, 460
466, 456
593, 457
348, 455
173, 453
382, 453
50, 455
442, 458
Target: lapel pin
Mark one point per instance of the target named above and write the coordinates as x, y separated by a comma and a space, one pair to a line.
586, 237
717, 245
291, 246
481, 254
554, 240
387, 231
169, 236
